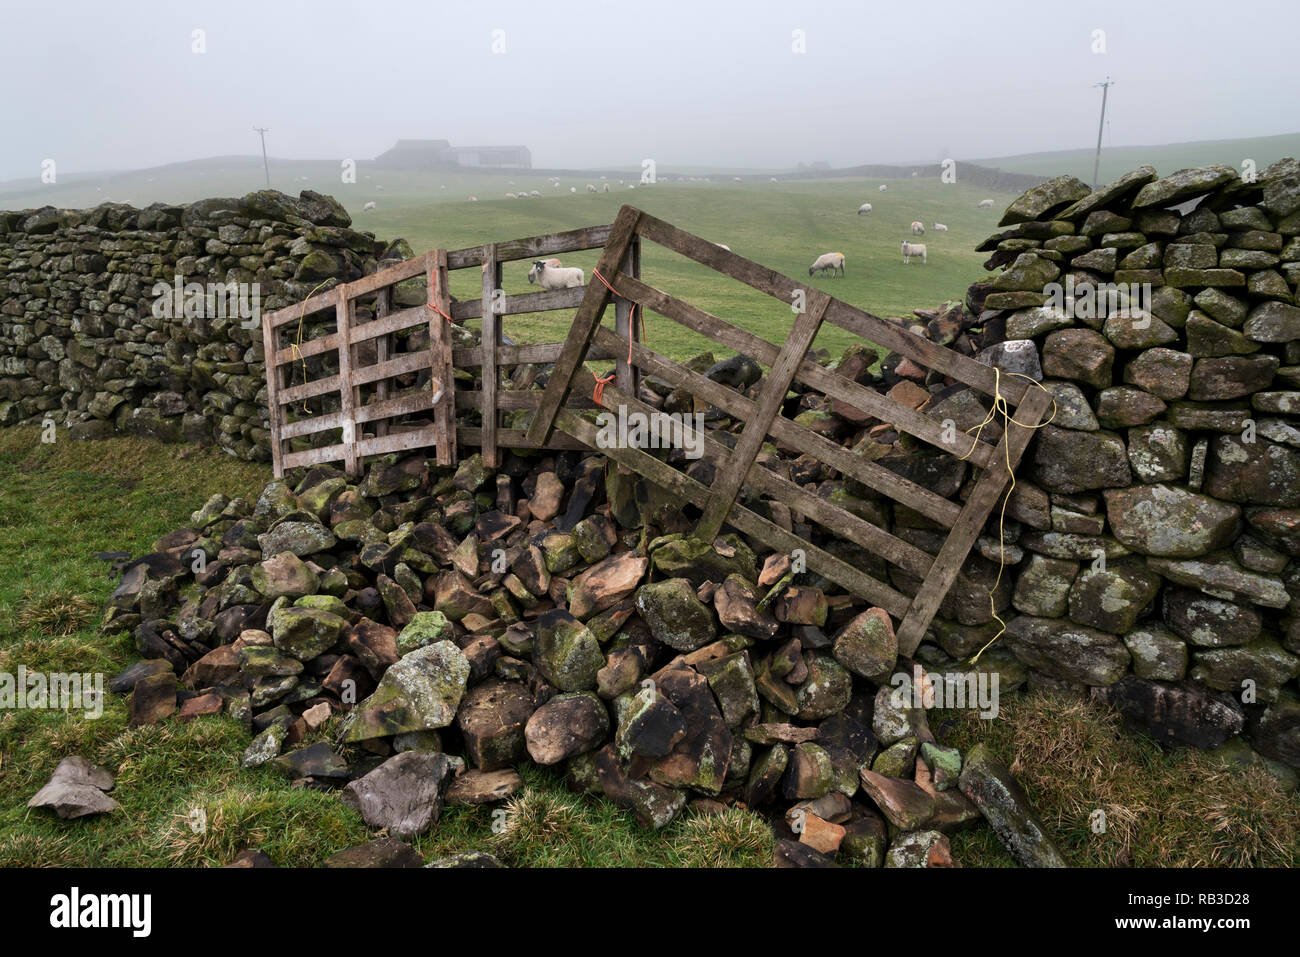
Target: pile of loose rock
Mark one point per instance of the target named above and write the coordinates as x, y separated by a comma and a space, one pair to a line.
412, 638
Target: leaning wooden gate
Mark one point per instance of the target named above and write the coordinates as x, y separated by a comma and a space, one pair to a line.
367, 394
787, 364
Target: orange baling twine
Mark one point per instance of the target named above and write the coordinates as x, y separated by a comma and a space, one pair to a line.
598, 393
1000, 405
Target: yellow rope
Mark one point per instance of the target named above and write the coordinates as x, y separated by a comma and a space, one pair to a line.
297, 352
1000, 405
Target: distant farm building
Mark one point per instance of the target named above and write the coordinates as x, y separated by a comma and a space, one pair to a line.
423, 154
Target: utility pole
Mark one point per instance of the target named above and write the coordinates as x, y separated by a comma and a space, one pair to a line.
263, 130
1096, 165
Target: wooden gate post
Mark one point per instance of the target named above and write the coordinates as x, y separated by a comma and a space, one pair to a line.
490, 342
441, 368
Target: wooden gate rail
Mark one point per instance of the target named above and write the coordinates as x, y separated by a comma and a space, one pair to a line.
737, 467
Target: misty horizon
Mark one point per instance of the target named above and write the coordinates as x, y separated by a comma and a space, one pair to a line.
589, 86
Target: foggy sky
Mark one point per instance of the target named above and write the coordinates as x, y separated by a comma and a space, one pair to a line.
101, 85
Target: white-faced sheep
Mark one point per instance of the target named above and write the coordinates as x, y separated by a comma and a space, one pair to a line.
369, 205
939, 227
510, 195
828, 261
573, 189
984, 204
591, 188
918, 228
534, 192
883, 187
864, 208
548, 275
913, 249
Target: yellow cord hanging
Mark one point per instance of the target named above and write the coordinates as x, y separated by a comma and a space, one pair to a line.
1000, 405
297, 352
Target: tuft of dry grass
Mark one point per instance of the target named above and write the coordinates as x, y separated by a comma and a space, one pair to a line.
55, 613
1162, 808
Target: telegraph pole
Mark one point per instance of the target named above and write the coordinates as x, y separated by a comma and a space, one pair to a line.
263, 130
1096, 165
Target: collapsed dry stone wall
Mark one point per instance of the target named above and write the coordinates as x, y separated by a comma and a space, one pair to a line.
1155, 529
82, 343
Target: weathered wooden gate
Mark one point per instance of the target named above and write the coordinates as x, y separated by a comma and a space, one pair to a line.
558, 421
786, 364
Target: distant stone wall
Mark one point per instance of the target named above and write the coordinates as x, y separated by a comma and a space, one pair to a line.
1155, 527
81, 341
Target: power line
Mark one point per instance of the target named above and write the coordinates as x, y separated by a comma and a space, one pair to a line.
1096, 165
261, 131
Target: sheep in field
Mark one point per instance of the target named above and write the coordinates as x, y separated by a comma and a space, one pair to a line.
606, 187
473, 199
548, 275
591, 188
369, 205
534, 192
918, 228
883, 187
939, 227
913, 249
828, 261
510, 195
984, 204
864, 208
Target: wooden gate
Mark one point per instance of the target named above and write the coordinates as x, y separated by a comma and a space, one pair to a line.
788, 364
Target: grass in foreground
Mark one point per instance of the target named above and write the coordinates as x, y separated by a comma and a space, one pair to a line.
186, 802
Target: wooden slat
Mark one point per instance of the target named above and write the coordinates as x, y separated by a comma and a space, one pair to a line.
810, 373
947, 564
389, 323
858, 321
398, 441
512, 400
623, 372
402, 364
489, 341
523, 303
328, 453
317, 423
520, 355
518, 439
775, 385
533, 247
843, 523
397, 405
274, 381
440, 357
783, 430
584, 323
307, 390
747, 522
383, 344
347, 393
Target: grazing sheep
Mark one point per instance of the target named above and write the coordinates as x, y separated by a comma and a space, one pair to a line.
828, 261
913, 249
510, 195
573, 189
984, 204
534, 192
591, 188
473, 199
918, 229
370, 205
864, 208
772, 180
736, 178
913, 174
939, 227
883, 187
548, 275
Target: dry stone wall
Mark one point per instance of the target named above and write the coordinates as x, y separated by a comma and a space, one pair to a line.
1155, 529
85, 341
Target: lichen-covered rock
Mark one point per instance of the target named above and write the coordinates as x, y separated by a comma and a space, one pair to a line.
566, 652
304, 633
1065, 650
1069, 461
1045, 198
1175, 713
1169, 521
674, 615
1000, 798
1254, 473
421, 692
1111, 599
867, 645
